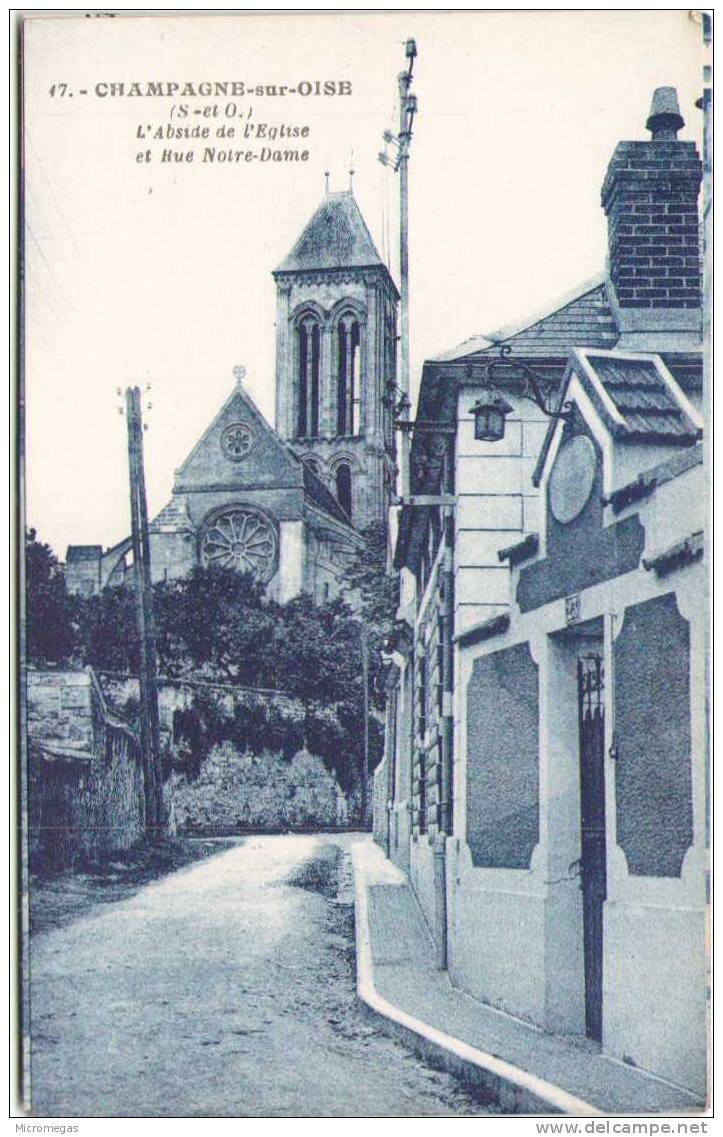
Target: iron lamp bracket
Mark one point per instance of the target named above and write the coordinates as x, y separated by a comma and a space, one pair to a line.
526, 385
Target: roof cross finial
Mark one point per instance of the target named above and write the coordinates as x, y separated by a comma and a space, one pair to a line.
351, 171
239, 372
326, 182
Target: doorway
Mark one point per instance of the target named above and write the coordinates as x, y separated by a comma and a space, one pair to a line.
591, 714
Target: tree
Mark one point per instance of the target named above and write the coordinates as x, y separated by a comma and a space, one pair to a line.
375, 588
374, 592
215, 619
110, 631
51, 614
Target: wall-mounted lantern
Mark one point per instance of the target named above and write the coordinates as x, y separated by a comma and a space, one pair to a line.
490, 412
491, 409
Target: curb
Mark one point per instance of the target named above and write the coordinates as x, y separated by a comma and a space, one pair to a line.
513, 1089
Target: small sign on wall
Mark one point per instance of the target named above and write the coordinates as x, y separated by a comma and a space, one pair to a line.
572, 608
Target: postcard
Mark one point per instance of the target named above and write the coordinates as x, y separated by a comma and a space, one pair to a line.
363, 413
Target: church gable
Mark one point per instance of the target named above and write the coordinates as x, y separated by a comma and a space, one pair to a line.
239, 449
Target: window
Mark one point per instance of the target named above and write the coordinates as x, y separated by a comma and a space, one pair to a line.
440, 665
308, 341
422, 695
348, 375
343, 487
422, 794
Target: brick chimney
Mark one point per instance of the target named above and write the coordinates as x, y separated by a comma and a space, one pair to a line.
650, 197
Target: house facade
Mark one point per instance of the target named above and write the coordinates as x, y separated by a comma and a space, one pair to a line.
544, 780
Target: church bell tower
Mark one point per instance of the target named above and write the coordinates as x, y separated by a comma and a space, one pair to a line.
336, 337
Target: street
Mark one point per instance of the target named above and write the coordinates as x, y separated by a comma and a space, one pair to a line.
224, 989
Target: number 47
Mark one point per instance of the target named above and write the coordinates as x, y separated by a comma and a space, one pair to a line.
61, 88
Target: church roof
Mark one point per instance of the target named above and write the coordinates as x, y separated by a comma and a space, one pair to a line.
335, 237
322, 497
174, 517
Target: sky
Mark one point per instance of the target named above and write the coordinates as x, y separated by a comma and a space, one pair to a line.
160, 273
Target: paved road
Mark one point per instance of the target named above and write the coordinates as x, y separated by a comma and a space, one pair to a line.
225, 989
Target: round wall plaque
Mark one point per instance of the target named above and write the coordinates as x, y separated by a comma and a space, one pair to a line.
572, 478
237, 441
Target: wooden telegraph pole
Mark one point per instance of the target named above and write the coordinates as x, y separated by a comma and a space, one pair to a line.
149, 722
363, 804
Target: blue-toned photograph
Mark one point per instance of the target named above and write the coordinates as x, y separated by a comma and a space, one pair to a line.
363, 494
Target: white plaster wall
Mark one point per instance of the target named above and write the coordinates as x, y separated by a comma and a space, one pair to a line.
478, 548
496, 504
631, 460
489, 512
560, 829
400, 819
654, 990
499, 473
675, 510
656, 970
482, 585
421, 873
654, 967
498, 938
470, 615
291, 560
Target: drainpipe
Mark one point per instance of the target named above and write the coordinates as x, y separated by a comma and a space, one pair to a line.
391, 734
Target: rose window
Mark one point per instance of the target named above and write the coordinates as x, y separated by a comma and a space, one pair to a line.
242, 540
237, 441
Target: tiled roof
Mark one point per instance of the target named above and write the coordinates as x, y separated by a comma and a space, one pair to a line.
587, 319
315, 489
651, 409
173, 516
335, 237
644, 394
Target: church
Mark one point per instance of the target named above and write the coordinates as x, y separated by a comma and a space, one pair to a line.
290, 505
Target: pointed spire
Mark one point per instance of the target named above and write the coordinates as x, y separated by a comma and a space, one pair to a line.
326, 182
665, 119
351, 171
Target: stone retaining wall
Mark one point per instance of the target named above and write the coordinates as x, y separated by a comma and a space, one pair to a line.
85, 772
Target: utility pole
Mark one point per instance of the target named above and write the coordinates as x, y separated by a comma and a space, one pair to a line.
403, 140
149, 722
364, 809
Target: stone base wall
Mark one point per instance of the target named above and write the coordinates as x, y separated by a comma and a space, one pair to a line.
380, 824
86, 793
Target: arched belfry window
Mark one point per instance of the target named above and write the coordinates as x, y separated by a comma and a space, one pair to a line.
308, 352
343, 486
348, 339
